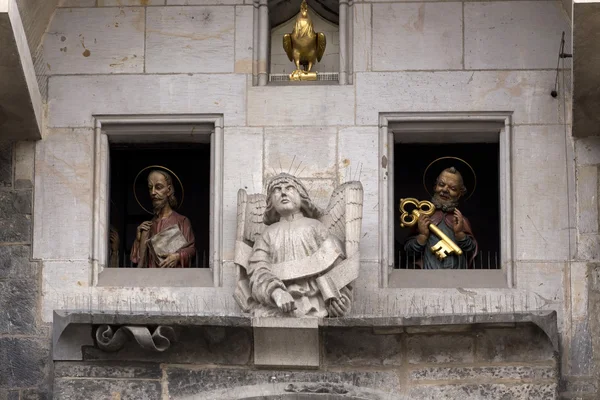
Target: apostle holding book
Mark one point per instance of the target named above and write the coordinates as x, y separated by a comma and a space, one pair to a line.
167, 241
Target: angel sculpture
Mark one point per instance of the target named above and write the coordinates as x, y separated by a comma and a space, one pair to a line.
304, 46
295, 259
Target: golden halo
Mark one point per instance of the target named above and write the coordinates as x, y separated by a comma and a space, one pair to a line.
454, 158
155, 167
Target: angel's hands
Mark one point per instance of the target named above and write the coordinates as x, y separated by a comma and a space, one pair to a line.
284, 300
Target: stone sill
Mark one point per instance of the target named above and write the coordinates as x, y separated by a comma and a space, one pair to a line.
156, 277
73, 329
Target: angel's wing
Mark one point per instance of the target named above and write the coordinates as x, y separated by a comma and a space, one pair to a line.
343, 216
287, 46
250, 216
250, 210
321, 43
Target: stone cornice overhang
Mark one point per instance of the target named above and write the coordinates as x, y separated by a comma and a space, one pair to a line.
74, 329
21, 106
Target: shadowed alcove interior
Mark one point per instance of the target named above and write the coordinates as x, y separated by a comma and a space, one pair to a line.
191, 163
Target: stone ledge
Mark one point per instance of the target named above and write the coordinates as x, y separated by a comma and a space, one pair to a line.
73, 329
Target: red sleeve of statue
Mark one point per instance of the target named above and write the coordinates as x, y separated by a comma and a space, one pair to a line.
187, 253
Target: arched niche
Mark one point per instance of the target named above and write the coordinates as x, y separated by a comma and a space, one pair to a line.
274, 18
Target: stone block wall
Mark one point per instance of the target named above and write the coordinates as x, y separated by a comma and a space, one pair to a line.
515, 361
25, 361
117, 57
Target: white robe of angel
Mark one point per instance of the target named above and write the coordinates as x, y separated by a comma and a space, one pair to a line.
290, 255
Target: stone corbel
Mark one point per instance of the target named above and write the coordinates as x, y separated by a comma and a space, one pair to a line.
109, 339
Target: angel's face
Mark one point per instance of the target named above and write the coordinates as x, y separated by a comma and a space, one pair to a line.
285, 198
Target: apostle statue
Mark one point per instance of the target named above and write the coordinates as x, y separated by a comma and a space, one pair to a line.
448, 189
301, 262
167, 241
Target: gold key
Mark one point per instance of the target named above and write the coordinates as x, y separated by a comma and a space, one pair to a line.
426, 208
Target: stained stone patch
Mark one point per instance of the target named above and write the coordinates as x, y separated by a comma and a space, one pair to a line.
481, 373
15, 263
523, 343
361, 347
34, 394
85, 389
15, 221
5, 164
107, 370
529, 391
184, 383
18, 304
439, 348
23, 361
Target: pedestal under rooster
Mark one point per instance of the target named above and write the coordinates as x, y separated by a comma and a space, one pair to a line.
304, 46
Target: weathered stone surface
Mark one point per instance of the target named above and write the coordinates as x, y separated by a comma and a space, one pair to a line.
95, 41
107, 370
587, 196
244, 32
362, 37
145, 94
190, 39
580, 278
6, 164
521, 35
358, 150
198, 345
439, 348
524, 343
483, 373
242, 144
541, 221
417, 36
9, 395
529, 391
22, 201
63, 193
24, 164
329, 105
23, 361
545, 282
524, 92
110, 3
76, 3
14, 225
34, 394
84, 389
15, 262
202, 2
187, 382
361, 347
588, 247
580, 353
18, 300
587, 151
284, 145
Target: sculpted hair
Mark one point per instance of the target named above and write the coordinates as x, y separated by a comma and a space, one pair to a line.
308, 208
454, 171
171, 199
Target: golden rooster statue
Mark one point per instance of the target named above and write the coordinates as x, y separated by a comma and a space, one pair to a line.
304, 46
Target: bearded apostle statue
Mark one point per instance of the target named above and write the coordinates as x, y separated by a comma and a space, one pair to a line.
166, 241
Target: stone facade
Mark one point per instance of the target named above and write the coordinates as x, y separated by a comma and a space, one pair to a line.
165, 57
25, 359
